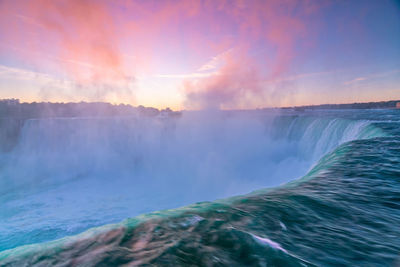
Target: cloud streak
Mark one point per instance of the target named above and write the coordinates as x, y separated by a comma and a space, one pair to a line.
371, 76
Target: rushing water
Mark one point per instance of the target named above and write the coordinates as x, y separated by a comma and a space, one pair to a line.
66, 175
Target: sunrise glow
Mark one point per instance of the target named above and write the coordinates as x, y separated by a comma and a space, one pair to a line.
199, 54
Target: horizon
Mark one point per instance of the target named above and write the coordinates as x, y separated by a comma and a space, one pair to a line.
200, 54
179, 110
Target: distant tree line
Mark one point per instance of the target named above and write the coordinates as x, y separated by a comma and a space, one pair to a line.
369, 105
12, 108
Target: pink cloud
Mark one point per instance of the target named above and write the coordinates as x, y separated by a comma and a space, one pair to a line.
280, 24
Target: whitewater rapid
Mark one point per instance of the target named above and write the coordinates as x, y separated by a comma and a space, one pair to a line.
65, 175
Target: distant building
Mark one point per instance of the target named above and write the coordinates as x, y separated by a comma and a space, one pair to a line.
398, 105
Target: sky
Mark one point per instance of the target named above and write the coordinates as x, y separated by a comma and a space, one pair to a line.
200, 54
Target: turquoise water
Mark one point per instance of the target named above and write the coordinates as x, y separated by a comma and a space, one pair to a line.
332, 197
